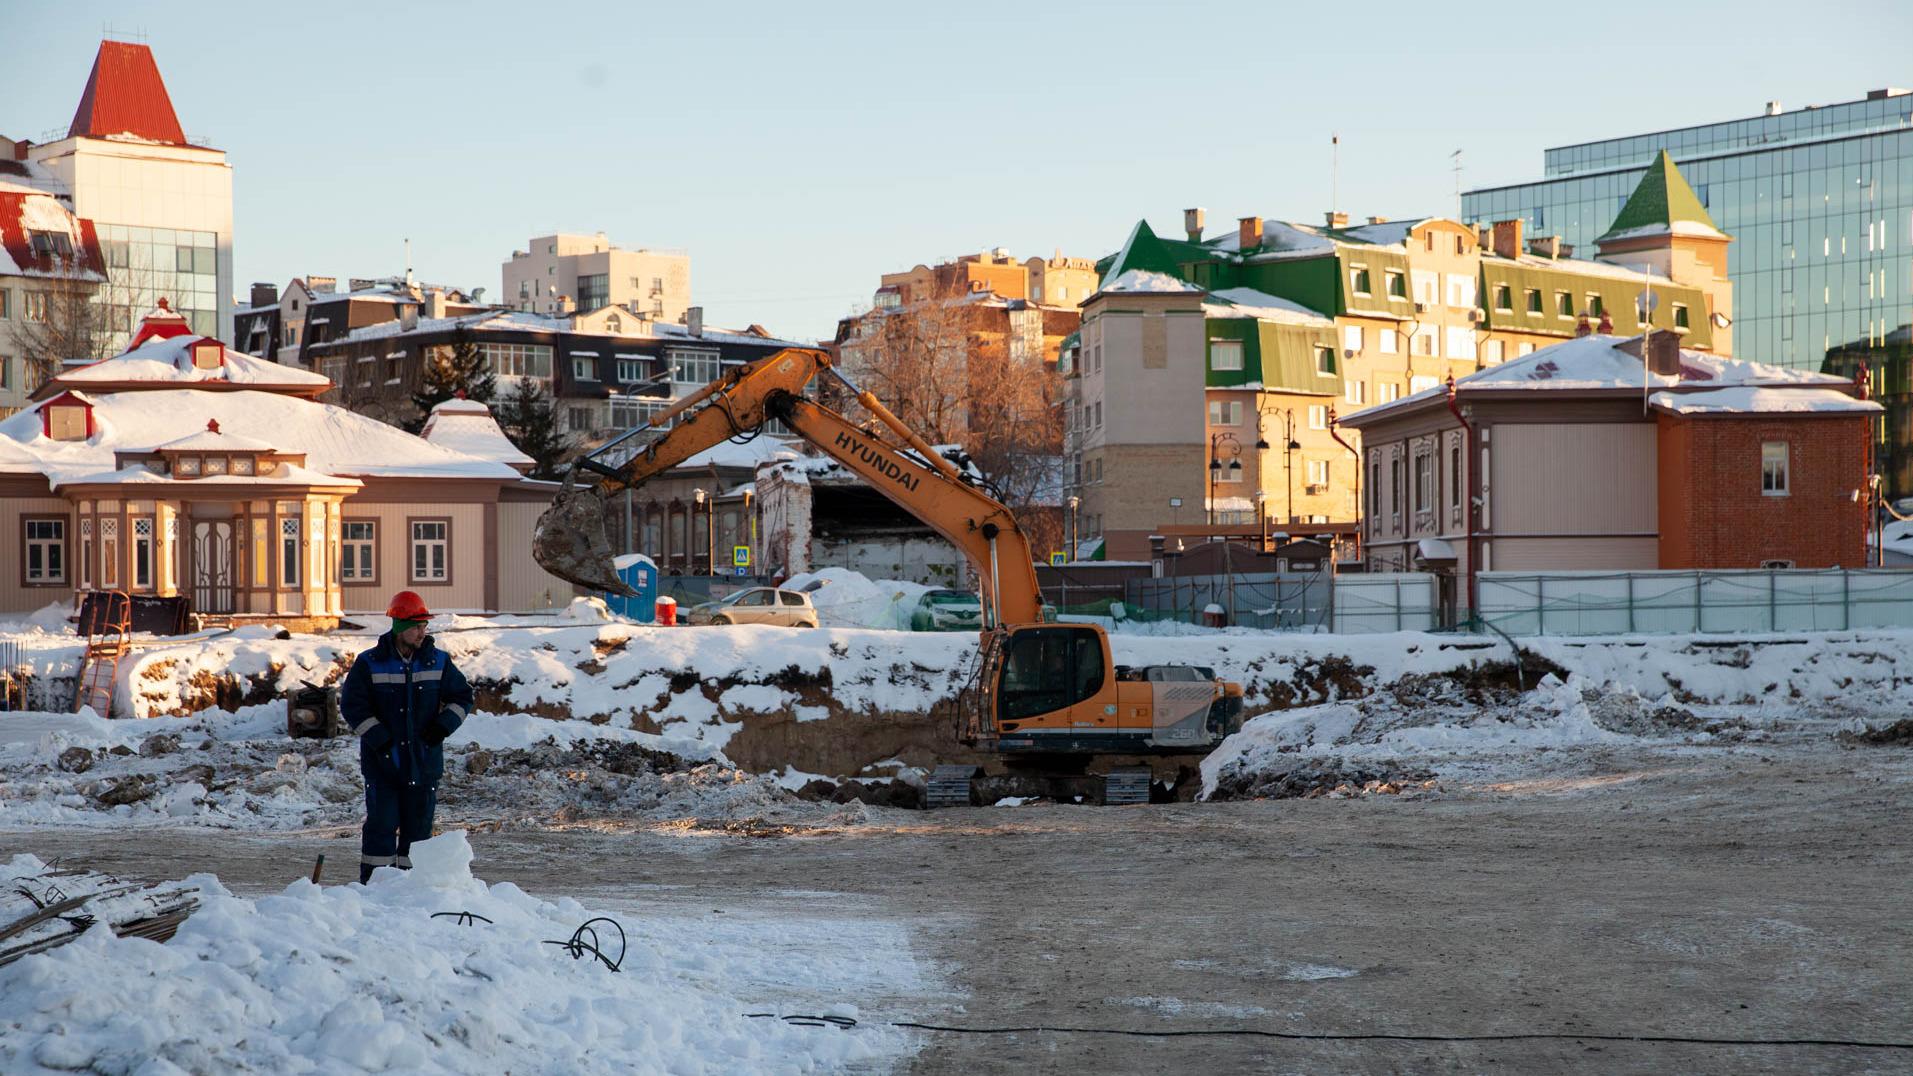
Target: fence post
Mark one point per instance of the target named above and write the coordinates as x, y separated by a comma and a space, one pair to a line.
1540, 605
1398, 603
1846, 600
1698, 623
1773, 601
1630, 603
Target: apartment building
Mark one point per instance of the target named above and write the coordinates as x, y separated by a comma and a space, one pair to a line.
559, 274
1406, 305
50, 260
1054, 281
161, 203
312, 310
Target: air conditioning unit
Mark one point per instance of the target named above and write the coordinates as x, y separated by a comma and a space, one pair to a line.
1477, 315
1348, 352
1315, 489
1421, 308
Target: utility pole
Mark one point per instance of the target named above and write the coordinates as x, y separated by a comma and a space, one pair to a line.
1456, 158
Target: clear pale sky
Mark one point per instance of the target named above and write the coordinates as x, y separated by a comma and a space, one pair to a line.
799, 150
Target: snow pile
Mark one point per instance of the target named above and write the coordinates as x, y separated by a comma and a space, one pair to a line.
851, 600
349, 978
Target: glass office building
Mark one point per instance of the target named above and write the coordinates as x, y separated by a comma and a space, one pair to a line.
1819, 202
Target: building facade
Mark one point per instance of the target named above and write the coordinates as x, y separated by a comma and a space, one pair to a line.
561, 274
1618, 453
1819, 201
160, 202
1054, 281
1305, 325
50, 267
184, 468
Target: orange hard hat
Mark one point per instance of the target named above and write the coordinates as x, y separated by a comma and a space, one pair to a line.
407, 605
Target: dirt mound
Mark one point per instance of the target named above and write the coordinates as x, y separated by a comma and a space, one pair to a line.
1325, 777
1898, 734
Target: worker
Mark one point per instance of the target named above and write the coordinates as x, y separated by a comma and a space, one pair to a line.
402, 698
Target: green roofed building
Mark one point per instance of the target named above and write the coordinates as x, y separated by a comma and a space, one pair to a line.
1211, 368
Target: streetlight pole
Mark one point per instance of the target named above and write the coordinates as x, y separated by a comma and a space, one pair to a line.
708, 503
1262, 520
1074, 540
1289, 446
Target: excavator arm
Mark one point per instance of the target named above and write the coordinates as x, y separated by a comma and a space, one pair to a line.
571, 540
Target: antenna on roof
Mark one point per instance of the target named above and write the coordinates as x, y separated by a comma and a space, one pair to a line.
1456, 157
108, 33
1334, 171
408, 259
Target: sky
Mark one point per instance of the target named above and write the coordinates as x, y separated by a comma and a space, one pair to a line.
799, 151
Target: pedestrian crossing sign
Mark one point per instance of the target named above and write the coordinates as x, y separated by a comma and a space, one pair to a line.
740, 556
1057, 559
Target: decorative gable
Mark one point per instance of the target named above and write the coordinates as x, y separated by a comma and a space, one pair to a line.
67, 417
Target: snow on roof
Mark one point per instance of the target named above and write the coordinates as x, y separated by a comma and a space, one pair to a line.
1142, 280
1596, 362
1250, 303
1679, 227
1386, 234
335, 441
1897, 537
171, 359
1434, 549
467, 426
25, 210
215, 441
285, 475
526, 321
368, 295
1753, 399
747, 456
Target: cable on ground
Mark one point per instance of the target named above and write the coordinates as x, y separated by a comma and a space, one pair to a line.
578, 946
463, 919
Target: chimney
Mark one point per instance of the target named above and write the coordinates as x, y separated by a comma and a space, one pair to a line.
1606, 328
1773, 108
1484, 237
1248, 233
1336, 218
1582, 327
566, 305
1192, 221
1548, 246
694, 320
1507, 238
434, 303
1378, 220
408, 317
264, 295
1664, 352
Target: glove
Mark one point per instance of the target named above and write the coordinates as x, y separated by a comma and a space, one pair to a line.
434, 734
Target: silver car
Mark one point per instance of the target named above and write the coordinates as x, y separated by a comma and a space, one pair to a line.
758, 605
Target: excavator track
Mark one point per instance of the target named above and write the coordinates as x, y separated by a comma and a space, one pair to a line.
949, 786
1127, 785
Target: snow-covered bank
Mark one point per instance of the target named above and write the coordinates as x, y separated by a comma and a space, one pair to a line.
344, 978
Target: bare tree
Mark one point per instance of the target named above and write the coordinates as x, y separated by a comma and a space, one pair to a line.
59, 320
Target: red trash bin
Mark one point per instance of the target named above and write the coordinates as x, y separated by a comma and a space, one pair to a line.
667, 612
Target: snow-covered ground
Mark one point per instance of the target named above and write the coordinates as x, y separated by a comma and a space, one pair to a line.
349, 979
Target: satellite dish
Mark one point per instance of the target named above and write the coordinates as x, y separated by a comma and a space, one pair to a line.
1647, 303
1721, 321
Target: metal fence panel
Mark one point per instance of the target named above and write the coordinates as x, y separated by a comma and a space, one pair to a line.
1679, 602
1385, 601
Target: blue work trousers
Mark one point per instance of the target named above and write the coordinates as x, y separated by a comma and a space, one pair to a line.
396, 814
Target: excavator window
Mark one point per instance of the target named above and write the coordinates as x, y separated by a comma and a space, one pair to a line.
1049, 669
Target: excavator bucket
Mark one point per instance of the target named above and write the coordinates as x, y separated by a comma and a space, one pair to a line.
571, 542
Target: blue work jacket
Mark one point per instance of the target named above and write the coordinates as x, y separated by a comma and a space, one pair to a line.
403, 710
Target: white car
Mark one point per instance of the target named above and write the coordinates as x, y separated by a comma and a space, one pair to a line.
758, 605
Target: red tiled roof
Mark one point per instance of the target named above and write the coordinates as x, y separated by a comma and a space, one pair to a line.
125, 95
17, 245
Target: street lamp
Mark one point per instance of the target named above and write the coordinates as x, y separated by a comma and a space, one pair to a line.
709, 504
1262, 520
1217, 443
1073, 537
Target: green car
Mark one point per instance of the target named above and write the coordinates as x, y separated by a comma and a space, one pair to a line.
947, 610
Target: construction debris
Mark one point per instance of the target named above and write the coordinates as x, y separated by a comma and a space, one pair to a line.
43, 907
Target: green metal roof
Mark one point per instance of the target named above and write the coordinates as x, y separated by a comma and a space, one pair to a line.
1143, 251
1662, 199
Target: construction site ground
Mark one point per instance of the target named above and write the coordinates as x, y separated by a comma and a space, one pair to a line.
1737, 894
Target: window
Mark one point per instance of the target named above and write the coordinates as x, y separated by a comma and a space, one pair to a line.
1395, 492
6, 372
1318, 416
1048, 669
289, 549
578, 419
1461, 290
34, 308
1595, 307
1099, 414
1225, 412
1390, 341
1397, 283
1358, 280
657, 285
1454, 478
109, 553
1563, 304
1318, 472
1424, 482
692, 366
1427, 287
1224, 354
1325, 361
1428, 241
1425, 340
1355, 392
1534, 300
1461, 342
630, 371
1461, 245
627, 412
1388, 391
1523, 348
6, 309
86, 554
1374, 488
584, 369
394, 366
359, 538
518, 360
431, 546
1422, 384
1680, 315
1491, 351
1504, 298
1227, 474
1352, 337
594, 292
46, 552
143, 552
1773, 468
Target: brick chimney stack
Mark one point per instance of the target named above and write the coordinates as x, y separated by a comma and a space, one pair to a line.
1193, 219
1248, 233
1664, 352
1507, 238
1336, 218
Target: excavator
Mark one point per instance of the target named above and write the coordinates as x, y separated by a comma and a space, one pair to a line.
1041, 695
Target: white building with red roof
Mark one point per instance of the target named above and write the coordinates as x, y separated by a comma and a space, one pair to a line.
161, 202
183, 467
48, 258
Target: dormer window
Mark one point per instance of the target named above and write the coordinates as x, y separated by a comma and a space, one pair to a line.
215, 465
242, 465
208, 355
267, 468
187, 467
50, 244
67, 417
